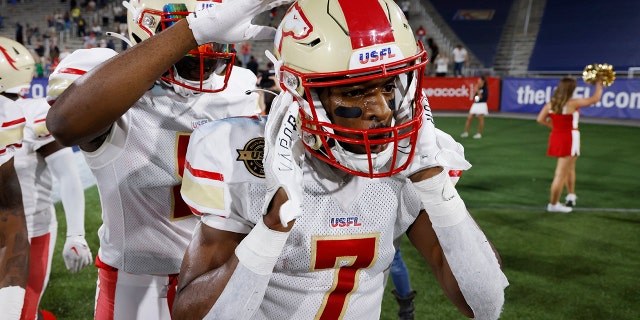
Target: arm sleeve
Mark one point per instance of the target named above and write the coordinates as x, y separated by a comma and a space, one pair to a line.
257, 254
466, 248
62, 166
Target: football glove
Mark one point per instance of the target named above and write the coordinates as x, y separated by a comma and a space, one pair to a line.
435, 148
76, 253
230, 22
283, 155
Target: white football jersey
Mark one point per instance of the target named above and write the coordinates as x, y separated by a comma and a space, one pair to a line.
35, 178
138, 169
12, 122
333, 263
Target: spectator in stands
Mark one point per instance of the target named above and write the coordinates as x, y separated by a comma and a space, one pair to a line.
442, 65
478, 109
31, 32
252, 65
561, 115
65, 52
67, 24
39, 49
460, 59
245, 50
267, 81
58, 18
434, 51
39, 66
405, 6
75, 13
421, 34
119, 16
110, 44
97, 29
105, 16
82, 26
19, 32
90, 41
54, 54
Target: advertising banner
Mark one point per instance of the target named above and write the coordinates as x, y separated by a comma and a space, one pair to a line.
621, 100
451, 94
38, 88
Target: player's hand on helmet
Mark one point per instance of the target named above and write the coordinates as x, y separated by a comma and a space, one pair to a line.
76, 253
435, 148
283, 156
230, 22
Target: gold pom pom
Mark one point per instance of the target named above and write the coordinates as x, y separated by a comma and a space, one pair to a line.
603, 71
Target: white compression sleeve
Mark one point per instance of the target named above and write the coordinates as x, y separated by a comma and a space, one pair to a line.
466, 248
11, 301
62, 166
257, 253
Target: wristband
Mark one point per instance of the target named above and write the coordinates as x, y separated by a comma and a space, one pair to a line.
260, 249
441, 200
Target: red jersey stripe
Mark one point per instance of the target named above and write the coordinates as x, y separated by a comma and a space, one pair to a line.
204, 174
72, 71
13, 122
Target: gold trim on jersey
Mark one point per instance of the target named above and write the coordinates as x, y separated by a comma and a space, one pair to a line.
179, 209
11, 136
203, 195
332, 254
41, 130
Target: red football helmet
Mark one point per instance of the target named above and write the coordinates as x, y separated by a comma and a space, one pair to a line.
326, 43
193, 73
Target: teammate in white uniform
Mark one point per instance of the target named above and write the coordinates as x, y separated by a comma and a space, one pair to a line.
40, 159
16, 71
308, 231
132, 117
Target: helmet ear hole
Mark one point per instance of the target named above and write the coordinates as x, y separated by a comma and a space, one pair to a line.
136, 39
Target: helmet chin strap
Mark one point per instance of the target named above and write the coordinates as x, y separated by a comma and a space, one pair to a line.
407, 91
185, 92
360, 162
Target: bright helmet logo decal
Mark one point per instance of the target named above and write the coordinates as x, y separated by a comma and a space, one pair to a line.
8, 57
375, 55
294, 24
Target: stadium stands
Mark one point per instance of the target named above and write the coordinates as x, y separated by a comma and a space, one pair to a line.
479, 24
575, 33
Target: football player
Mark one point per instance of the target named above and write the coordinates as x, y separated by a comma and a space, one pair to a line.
39, 157
132, 117
351, 162
39, 160
16, 68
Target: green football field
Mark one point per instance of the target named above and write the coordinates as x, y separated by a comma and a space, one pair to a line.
581, 265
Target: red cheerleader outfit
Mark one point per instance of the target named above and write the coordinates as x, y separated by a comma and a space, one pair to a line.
564, 139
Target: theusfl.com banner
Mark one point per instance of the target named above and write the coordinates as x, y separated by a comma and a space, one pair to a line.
621, 100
